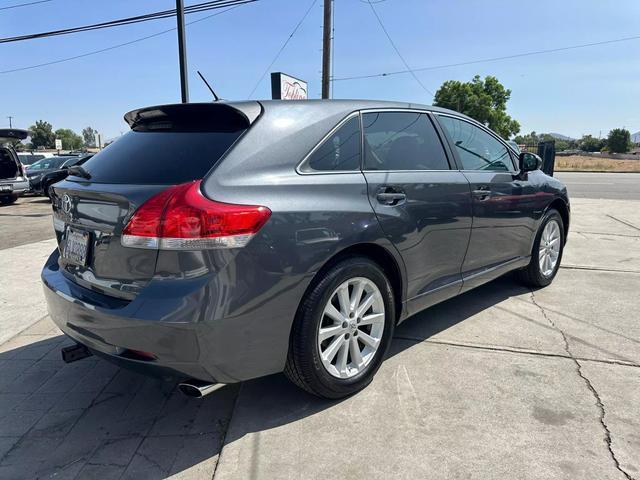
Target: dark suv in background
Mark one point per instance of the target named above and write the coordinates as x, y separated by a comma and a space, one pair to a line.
220, 242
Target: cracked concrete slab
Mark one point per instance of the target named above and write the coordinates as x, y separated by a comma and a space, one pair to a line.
619, 391
601, 326
433, 411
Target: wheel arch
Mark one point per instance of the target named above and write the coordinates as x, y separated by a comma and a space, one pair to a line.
378, 254
561, 206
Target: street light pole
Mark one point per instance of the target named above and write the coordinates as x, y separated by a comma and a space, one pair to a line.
182, 52
10, 118
326, 50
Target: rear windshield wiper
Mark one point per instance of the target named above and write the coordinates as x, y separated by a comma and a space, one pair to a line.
78, 171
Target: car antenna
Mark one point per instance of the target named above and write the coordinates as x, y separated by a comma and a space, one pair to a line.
208, 86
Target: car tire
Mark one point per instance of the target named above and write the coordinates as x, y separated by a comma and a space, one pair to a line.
308, 362
8, 200
550, 233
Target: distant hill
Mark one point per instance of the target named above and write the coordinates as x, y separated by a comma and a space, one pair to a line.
635, 137
559, 136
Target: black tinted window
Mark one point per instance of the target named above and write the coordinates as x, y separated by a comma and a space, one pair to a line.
476, 148
402, 141
339, 152
162, 157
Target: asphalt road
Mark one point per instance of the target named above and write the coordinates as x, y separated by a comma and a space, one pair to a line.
615, 186
26, 221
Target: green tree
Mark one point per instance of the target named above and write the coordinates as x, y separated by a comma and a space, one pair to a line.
70, 139
528, 139
619, 140
42, 135
589, 143
89, 136
483, 100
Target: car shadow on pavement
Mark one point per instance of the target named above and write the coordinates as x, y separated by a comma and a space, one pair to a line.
92, 419
271, 402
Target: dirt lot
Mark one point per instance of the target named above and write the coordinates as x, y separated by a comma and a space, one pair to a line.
578, 163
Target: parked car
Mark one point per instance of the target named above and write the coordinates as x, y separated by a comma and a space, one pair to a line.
29, 158
41, 182
220, 242
13, 181
46, 165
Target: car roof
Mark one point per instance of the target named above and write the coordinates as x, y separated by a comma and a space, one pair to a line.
350, 105
250, 110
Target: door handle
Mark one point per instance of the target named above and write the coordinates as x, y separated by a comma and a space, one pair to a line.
482, 192
390, 196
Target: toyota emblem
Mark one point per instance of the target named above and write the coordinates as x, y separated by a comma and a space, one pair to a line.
66, 204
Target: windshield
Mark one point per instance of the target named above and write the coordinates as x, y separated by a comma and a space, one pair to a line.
76, 160
53, 162
28, 159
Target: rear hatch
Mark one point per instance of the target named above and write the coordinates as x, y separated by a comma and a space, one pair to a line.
10, 167
167, 145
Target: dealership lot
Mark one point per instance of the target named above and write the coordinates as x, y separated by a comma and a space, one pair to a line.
499, 383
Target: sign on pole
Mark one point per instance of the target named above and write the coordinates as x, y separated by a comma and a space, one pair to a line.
286, 87
58, 144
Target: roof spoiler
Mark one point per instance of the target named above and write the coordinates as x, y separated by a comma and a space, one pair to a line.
218, 116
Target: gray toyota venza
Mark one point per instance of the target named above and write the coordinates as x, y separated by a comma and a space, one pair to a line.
220, 242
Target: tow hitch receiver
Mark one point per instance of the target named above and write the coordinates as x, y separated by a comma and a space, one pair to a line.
74, 353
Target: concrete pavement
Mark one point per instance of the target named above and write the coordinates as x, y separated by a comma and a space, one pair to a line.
499, 383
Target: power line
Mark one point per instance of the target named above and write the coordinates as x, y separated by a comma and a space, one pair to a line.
200, 7
484, 60
24, 4
284, 45
373, 9
113, 47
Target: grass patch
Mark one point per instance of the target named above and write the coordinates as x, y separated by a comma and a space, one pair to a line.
578, 163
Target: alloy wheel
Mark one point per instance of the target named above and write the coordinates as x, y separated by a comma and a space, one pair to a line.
549, 250
351, 327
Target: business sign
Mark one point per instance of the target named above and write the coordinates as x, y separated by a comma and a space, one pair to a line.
286, 87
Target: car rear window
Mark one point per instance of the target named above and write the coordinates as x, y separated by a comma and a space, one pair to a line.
159, 157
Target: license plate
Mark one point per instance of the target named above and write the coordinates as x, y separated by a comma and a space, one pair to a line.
6, 188
76, 247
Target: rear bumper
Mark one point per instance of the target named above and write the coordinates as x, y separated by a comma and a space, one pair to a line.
17, 187
184, 323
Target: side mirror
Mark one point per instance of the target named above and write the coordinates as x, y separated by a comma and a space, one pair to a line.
529, 162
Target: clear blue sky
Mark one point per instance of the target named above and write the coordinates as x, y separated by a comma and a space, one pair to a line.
572, 92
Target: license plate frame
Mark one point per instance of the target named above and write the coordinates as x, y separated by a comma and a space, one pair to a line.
76, 246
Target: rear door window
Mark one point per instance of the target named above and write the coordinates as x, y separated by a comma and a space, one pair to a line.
160, 157
339, 152
402, 141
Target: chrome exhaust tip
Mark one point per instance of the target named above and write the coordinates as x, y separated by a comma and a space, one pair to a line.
198, 388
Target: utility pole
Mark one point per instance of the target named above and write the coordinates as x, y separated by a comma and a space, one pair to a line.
326, 50
10, 118
182, 52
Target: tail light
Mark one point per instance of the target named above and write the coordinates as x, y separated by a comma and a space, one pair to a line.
181, 218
